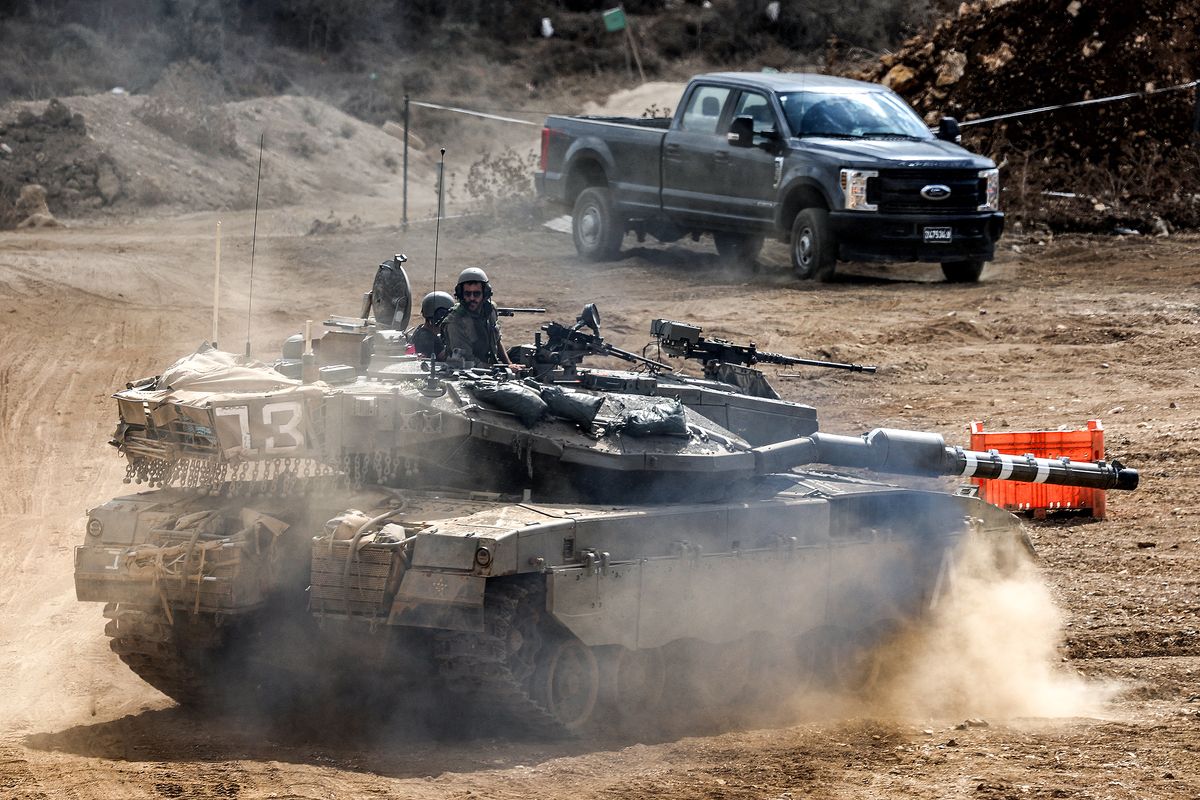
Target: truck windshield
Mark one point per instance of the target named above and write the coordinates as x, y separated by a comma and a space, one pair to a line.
864, 115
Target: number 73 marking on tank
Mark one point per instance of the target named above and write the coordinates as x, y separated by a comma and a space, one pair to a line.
278, 427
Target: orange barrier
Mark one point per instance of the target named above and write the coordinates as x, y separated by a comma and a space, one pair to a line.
1038, 498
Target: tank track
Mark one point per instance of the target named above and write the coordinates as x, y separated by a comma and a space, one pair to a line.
148, 643
479, 667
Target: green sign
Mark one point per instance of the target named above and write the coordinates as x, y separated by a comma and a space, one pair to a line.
614, 20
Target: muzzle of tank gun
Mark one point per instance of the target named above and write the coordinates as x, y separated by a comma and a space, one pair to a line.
926, 454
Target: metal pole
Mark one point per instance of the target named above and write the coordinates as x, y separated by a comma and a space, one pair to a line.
437, 231
633, 47
253, 240
404, 219
216, 285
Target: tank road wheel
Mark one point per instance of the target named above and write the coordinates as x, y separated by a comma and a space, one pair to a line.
632, 683
853, 662
814, 252
962, 271
597, 231
567, 683
635, 677
523, 671
739, 250
780, 670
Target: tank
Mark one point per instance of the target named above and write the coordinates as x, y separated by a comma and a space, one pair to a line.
559, 548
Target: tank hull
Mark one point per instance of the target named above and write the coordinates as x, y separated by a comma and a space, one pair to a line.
548, 617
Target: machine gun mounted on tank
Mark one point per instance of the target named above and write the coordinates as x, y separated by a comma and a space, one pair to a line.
564, 347
683, 340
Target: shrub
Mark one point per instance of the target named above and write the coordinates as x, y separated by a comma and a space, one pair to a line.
1148, 182
501, 177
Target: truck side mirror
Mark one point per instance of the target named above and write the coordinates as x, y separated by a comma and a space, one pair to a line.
741, 132
948, 130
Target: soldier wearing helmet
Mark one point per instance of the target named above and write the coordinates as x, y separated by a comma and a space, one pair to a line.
472, 327
428, 339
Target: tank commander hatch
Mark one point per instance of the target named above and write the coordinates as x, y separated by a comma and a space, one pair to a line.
472, 327
428, 339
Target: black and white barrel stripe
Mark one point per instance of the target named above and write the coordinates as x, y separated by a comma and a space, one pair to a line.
1028, 469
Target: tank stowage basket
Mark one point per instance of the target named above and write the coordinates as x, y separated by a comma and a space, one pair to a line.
1084, 445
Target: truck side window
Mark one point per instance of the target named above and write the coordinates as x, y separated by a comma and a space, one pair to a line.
704, 109
757, 108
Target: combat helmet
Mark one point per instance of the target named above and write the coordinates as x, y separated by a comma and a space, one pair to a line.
473, 275
436, 305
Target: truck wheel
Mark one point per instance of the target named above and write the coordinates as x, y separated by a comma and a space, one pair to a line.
962, 271
738, 249
595, 227
814, 252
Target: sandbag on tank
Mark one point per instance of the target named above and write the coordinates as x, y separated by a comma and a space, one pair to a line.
665, 418
515, 398
575, 406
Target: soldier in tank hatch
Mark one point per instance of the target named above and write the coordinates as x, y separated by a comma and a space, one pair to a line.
473, 327
428, 338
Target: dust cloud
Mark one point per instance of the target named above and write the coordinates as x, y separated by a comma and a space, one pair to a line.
990, 649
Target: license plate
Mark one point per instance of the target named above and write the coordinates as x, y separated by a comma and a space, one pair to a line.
939, 234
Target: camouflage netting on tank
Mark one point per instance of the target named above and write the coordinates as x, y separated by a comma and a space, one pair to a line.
212, 370
1128, 161
52, 149
193, 427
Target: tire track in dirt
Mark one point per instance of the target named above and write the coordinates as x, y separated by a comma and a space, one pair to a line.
55, 418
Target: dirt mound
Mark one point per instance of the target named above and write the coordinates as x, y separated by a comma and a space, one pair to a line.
999, 57
53, 149
122, 153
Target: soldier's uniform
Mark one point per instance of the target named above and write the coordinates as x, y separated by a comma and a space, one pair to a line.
427, 341
476, 335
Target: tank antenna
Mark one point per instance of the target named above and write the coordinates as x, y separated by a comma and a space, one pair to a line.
216, 284
437, 231
254, 239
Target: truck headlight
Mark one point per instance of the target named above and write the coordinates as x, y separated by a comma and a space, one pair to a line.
854, 188
991, 189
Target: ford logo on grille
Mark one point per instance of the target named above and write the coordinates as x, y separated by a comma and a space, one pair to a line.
935, 191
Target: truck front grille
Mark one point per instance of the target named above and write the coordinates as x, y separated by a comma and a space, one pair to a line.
900, 191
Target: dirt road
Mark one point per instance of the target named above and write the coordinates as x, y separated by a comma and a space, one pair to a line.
1062, 331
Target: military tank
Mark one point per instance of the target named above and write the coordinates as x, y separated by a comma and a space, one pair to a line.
560, 548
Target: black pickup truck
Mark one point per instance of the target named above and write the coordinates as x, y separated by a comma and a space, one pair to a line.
840, 169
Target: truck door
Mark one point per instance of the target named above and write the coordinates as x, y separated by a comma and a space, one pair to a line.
754, 172
694, 178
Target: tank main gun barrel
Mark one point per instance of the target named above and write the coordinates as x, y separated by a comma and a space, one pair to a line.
927, 454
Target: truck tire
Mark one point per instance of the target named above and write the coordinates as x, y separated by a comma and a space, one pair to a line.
738, 249
594, 225
962, 271
814, 252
